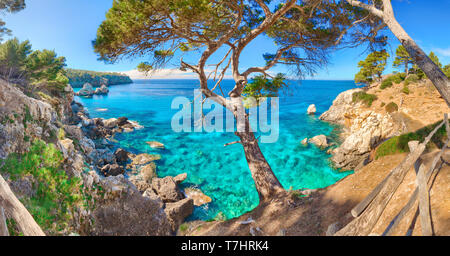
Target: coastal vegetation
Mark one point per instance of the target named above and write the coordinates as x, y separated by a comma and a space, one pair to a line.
364, 97
54, 196
77, 78
372, 67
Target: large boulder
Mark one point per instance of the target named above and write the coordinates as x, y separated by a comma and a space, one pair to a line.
167, 189
121, 155
103, 90
144, 158
178, 211
311, 109
123, 211
320, 141
143, 180
112, 170
86, 91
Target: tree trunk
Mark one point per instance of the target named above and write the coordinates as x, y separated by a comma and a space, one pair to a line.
266, 182
406, 68
433, 72
17, 211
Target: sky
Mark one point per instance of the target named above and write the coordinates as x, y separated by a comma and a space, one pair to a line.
69, 26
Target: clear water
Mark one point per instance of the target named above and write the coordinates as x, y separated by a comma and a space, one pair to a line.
222, 172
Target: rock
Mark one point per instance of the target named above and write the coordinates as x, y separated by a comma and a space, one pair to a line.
135, 125
148, 172
144, 158
103, 90
305, 142
320, 141
180, 178
167, 189
155, 144
125, 212
197, 195
177, 212
66, 147
86, 91
122, 121
110, 123
121, 155
112, 170
332, 229
311, 109
149, 193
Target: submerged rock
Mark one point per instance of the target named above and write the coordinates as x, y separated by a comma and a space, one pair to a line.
155, 144
144, 158
305, 142
197, 195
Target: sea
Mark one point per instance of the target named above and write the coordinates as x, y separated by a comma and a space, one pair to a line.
222, 172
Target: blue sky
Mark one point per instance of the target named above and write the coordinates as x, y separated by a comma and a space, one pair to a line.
68, 27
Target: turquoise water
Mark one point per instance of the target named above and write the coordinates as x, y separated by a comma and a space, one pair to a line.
222, 172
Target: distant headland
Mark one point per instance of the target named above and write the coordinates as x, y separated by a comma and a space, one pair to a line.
77, 78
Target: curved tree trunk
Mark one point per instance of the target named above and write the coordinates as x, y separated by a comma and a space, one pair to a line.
266, 182
433, 72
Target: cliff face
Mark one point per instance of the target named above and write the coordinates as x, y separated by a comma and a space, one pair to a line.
114, 206
77, 78
364, 129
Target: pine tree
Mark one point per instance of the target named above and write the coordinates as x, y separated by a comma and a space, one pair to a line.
372, 67
402, 59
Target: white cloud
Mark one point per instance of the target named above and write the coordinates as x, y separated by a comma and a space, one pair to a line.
444, 52
161, 74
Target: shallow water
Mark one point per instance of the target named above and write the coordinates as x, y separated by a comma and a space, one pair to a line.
222, 172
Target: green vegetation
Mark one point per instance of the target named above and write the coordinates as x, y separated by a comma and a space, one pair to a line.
77, 78
402, 59
56, 195
405, 89
372, 67
446, 70
366, 98
391, 107
261, 87
412, 78
41, 69
399, 144
396, 78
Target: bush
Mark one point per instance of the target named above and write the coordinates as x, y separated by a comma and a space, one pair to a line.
413, 78
385, 84
391, 107
399, 144
366, 98
396, 78
56, 194
405, 89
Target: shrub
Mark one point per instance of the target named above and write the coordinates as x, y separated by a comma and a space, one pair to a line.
413, 78
366, 98
405, 89
382, 104
391, 107
56, 194
399, 144
385, 84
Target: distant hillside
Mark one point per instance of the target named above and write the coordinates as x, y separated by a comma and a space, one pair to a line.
77, 78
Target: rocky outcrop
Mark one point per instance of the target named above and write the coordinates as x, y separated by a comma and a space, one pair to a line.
125, 211
311, 109
363, 130
103, 90
86, 91
198, 196
178, 211
167, 189
320, 141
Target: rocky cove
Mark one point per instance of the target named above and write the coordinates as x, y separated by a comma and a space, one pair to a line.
136, 204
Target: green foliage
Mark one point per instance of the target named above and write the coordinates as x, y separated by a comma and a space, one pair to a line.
261, 87
391, 107
435, 59
43, 69
396, 78
366, 98
402, 59
56, 194
399, 144
144, 67
446, 70
413, 78
77, 78
405, 89
372, 67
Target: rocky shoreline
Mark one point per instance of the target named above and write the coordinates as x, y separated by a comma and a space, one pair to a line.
141, 204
